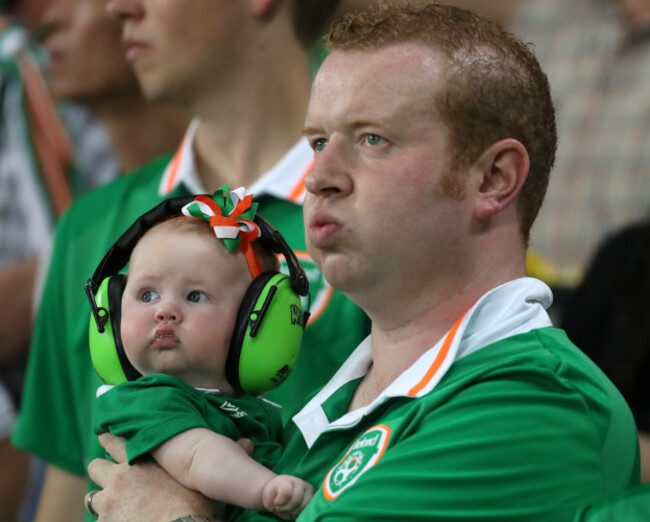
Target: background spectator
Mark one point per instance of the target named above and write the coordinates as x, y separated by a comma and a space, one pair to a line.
53, 149
242, 69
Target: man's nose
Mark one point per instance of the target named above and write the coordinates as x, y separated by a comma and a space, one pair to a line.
331, 173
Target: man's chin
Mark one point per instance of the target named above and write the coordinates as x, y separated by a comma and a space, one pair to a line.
338, 271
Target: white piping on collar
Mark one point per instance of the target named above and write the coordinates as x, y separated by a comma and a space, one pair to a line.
103, 389
285, 180
107, 387
182, 166
513, 308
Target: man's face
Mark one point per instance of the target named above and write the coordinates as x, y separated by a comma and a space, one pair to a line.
86, 60
378, 220
181, 49
30, 12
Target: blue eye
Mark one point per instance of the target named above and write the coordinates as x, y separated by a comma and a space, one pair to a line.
319, 144
374, 140
148, 296
197, 297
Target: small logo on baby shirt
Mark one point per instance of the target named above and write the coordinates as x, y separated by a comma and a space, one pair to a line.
233, 411
362, 455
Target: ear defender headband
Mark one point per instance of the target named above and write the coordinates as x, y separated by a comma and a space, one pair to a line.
270, 321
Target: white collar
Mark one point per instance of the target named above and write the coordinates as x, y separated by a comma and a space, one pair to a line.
285, 180
108, 387
513, 308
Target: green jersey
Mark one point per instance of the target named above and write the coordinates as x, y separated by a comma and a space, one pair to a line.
503, 419
632, 505
153, 409
61, 382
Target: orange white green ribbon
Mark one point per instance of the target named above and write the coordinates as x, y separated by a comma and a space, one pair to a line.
231, 215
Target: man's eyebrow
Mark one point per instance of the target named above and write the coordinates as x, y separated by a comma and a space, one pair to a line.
367, 123
354, 125
310, 130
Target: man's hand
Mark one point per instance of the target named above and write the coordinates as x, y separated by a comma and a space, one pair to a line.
143, 492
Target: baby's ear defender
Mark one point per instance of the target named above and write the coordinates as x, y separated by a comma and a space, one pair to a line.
106, 350
270, 321
104, 291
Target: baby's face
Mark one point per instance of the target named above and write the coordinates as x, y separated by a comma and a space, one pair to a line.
179, 305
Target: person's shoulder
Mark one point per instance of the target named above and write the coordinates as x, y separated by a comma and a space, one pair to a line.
550, 350
154, 389
145, 178
543, 355
138, 188
565, 357
568, 368
545, 363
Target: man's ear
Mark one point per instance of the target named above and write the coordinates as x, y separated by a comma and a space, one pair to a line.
503, 169
262, 8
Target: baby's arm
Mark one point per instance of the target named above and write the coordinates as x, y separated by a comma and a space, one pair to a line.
219, 468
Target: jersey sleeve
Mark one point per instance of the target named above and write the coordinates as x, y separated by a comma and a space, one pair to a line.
153, 409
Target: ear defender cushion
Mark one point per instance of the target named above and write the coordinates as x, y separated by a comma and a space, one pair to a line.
106, 350
267, 336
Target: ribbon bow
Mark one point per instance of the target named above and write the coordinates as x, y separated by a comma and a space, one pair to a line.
231, 215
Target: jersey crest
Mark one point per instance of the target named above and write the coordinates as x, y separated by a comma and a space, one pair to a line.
362, 455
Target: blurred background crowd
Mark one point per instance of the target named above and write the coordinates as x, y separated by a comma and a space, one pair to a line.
73, 116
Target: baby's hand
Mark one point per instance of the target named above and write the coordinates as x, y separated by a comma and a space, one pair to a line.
286, 496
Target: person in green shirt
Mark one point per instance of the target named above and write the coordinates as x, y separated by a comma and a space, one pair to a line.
72, 117
184, 300
242, 70
433, 133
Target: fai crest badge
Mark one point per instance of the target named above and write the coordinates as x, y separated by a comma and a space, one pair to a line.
362, 455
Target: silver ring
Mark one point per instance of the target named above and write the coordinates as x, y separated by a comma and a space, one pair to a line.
88, 502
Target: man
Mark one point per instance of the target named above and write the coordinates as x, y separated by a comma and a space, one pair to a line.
242, 68
434, 135
52, 150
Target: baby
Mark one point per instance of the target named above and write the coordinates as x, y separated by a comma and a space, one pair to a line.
179, 308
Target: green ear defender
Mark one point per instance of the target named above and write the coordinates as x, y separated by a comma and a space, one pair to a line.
263, 353
111, 363
269, 326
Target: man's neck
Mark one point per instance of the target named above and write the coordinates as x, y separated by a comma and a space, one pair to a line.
243, 134
406, 329
140, 131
